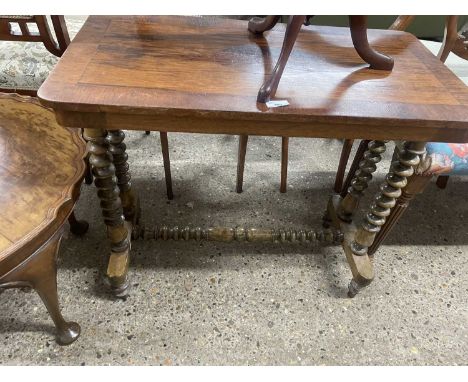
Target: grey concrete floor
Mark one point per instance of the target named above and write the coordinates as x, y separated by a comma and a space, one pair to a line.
217, 304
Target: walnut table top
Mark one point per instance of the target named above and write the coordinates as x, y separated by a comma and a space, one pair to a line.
202, 74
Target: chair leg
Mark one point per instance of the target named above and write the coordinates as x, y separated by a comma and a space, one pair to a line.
442, 181
40, 272
77, 227
450, 37
376, 60
354, 166
401, 23
284, 163
402, 182
88, 172
416, 185
241, 161
167, 164
259, 25
345, 151
269, 87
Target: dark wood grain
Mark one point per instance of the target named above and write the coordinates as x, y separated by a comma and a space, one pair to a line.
139, 73
41, 168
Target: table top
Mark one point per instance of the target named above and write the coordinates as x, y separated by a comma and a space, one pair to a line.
152, 73
41, 169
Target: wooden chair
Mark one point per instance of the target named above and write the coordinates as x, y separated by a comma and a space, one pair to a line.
41, 171
441, 159
358, 29
36, 29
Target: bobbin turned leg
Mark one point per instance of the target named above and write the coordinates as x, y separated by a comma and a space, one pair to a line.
108, 192
39, 271
390, 190
340, 212
130, 201
376, 60
361, 179
362, 148
416, 185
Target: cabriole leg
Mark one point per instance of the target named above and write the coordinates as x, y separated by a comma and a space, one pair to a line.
376, 60
268, 89
39, 271
259, 25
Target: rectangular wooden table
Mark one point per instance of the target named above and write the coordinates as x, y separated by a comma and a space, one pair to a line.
202, 75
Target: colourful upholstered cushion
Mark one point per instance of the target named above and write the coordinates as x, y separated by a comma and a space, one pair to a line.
448, 158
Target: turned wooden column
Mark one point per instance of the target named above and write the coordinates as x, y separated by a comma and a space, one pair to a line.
416, 185
362, 148
361, 179
120, 160
104, 173
385, 201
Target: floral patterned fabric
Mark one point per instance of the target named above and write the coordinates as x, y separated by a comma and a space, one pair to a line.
448, 158
26, 65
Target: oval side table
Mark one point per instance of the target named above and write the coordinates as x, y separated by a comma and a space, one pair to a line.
41, 169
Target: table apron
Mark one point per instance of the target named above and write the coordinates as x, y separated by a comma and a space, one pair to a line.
146, 122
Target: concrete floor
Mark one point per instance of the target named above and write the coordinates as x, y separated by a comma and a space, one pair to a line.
217, 304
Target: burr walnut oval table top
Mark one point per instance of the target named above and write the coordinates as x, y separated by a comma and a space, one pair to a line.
150, 73
41, 169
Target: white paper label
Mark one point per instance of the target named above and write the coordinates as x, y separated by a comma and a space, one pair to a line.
277, 103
